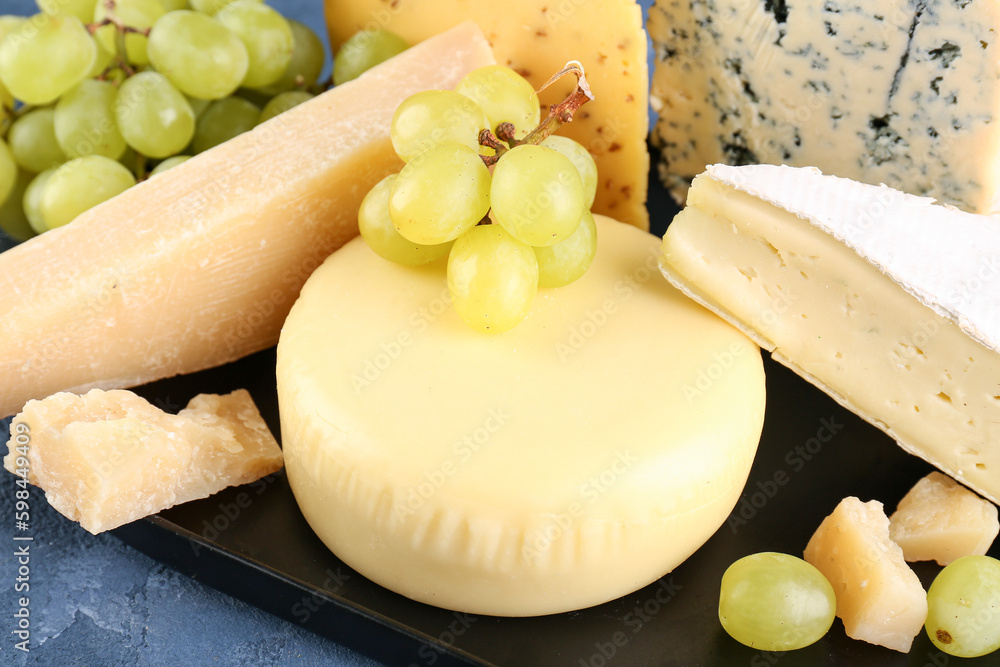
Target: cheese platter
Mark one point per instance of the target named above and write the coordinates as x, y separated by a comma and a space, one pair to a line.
254, 543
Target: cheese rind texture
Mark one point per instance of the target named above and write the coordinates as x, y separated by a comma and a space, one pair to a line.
108, 458
886, 301
901, 93
566, 462
941, 520
537, 40
199, 265
879, 598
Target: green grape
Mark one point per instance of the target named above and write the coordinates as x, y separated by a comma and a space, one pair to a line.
80, 185
8, 22
581, 159
223, 120
282, 102
537, 195
169, 163
383, 237
101, 62
134, 162
963, 607
32, 201
362, 51
153, 116
566, 261
504, 95
8, 171
198, 105
199, 55
492, 278
433, 117
139, 14
32, 140
174, 5
81, 9
266, 36
440, 194
43, 57
775, 602
308, 56
211, 7
85, 121
13, 221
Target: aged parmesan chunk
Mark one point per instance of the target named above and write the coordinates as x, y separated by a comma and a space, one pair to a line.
880, 91
941, 520
537, 39
888, 302
879, 598
107, 458
199, 266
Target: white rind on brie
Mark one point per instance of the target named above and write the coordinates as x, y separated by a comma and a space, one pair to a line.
946, 258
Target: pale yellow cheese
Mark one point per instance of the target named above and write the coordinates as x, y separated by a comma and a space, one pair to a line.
199, 266
879, 598
939, 519
108, 458
898, 323
566, 462
537, 39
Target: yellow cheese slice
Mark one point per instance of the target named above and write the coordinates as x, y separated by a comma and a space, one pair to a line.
564, 463
199, 265
537, 39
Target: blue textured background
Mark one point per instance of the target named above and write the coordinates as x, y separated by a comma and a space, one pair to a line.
97, 602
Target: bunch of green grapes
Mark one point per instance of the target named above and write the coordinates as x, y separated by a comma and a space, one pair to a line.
96, 95
522, 223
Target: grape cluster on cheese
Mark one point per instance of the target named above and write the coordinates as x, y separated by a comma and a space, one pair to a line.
506, 231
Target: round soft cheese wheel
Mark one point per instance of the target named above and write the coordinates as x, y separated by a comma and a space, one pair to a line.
569, 461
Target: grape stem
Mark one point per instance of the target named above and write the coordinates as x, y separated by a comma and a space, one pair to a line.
120, 31
486, 138
559, 114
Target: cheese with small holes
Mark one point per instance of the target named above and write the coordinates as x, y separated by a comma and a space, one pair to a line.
941, 520
879, 598
107, 458
199, 265
883, 91
537, 39
569, 461
887, 301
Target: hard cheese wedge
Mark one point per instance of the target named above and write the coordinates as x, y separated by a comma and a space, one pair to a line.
879, 598
941, 520
887, 301
199, 265
881, 91
566, 462
537, 39
107, 458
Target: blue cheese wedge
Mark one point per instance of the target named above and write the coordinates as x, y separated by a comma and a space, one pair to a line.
887, 301
901, 93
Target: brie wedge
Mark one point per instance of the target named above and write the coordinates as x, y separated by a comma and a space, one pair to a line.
887, 301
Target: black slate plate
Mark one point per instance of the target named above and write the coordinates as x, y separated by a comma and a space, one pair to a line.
251, 542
